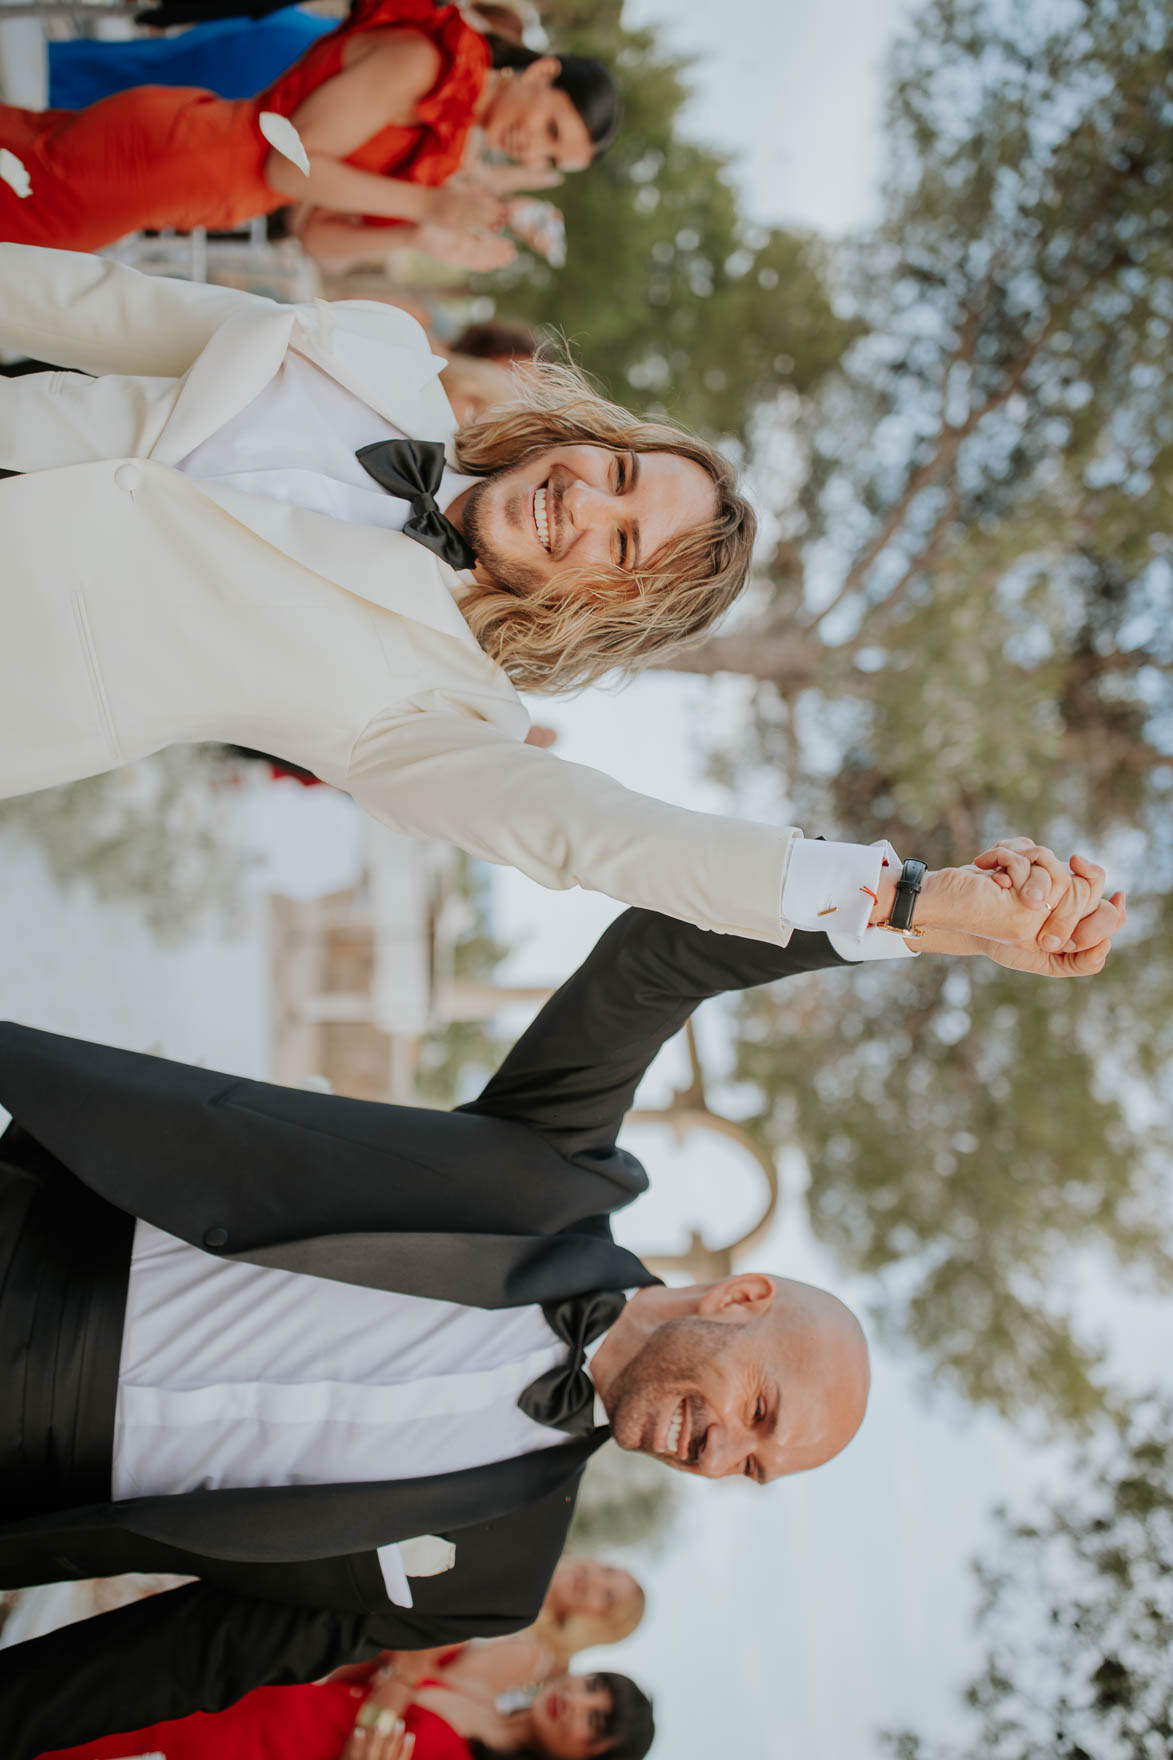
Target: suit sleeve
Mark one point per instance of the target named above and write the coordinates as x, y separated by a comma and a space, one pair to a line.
99, 316
573, 1074
463, 780
198, 1648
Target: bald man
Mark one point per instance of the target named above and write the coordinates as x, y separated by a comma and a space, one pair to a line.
344, 1363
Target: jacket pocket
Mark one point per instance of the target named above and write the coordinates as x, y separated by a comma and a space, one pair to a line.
97, 688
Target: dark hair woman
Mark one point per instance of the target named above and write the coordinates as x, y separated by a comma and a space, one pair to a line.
570, 1717
380, 111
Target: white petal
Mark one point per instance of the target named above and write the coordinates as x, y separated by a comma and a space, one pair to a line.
284, 138
14, 173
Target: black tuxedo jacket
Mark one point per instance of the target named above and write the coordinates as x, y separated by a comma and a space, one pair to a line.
501, 1203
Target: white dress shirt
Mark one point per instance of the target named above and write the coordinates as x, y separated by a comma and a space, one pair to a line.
245, 1375
296, 442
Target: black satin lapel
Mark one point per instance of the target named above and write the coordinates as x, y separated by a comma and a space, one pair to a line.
285, 1522
480, 1270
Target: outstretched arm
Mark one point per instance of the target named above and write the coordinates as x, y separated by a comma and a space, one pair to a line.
103, 317
464, 780
573, 1074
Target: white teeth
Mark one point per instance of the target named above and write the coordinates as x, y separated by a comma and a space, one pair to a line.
541, 518
674, 1429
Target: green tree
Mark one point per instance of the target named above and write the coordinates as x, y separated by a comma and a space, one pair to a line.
964, 629
1078, 1615
669, 296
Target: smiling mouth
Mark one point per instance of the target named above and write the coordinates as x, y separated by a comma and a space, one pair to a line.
542, 517
672, 1440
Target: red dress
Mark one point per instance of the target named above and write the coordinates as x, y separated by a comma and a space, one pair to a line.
270, 1723
175, 156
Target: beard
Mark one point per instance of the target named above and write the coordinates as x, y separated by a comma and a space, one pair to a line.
477, 518
663, 1373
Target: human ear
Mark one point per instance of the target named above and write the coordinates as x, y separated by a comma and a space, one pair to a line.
742, 1297
544, 71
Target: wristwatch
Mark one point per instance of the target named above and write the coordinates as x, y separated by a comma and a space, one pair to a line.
904, 904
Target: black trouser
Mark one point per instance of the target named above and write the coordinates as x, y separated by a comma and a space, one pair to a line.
64, 1262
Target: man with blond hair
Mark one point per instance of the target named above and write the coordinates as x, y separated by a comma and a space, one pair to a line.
255, 524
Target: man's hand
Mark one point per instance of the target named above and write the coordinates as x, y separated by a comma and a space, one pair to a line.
1018, 895
1083, 956
1039, 877
1051, 921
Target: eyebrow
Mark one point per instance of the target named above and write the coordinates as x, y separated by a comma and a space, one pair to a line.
770, 1426
632, 487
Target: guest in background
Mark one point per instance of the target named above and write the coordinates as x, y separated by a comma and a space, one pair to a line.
233, 57
401, 1715
383, 107
503, 340
588, 1604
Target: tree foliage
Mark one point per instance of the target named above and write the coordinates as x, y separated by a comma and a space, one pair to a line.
965, 629
1077, 1611
669, 296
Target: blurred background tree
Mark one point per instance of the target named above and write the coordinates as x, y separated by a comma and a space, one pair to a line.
457, 1058
626, 1500
964, 628
669, 296
157, 832
1077, 1612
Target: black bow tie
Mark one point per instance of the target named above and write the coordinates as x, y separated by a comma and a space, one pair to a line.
412, 469
564, 1397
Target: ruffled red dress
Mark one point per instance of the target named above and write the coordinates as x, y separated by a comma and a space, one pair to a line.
270, 1723
175, 156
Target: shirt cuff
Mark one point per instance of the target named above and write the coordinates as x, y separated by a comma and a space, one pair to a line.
830, 888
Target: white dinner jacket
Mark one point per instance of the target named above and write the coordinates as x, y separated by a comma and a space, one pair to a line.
143, 608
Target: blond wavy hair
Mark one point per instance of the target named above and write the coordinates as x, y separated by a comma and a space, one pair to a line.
588, 1631
582, 625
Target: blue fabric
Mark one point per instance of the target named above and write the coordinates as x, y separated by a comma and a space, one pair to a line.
233, 57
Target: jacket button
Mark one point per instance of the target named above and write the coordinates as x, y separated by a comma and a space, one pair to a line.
216, 1237
128, 477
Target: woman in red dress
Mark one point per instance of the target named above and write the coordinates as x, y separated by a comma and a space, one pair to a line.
396, 1715
383, 106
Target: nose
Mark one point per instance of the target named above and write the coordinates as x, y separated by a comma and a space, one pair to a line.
721, 1455
586, 507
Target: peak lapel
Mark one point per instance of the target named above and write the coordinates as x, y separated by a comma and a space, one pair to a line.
480, 1270
284, 1522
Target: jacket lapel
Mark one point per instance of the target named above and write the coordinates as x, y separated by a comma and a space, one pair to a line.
284, 1523
480, 1270
382, 355
378, 353
324, 1521
242, 357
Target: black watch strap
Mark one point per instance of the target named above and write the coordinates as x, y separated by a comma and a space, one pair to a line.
907, 892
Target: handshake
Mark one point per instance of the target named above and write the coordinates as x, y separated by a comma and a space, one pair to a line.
1020, 906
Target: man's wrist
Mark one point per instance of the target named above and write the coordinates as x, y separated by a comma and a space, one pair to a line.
931, 911
885, 897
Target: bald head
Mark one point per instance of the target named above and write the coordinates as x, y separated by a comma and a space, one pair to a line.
820, 1356
755, 1376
